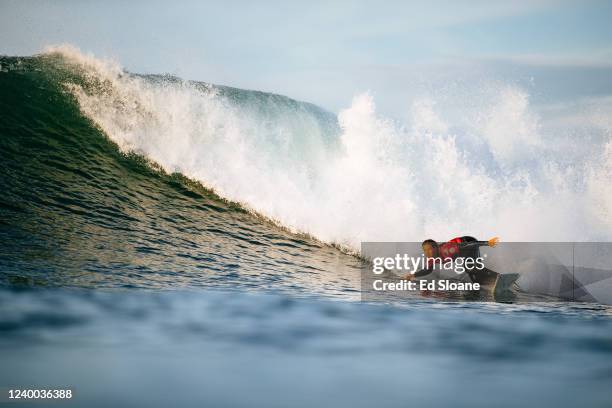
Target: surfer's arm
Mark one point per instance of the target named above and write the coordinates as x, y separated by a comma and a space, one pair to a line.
491, 243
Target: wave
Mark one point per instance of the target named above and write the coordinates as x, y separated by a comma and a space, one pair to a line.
357, 176
77, 212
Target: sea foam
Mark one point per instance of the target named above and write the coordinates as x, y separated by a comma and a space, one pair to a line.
365, 177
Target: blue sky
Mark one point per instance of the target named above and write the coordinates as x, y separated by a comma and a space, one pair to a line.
326, 52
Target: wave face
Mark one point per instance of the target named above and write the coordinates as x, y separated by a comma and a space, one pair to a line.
77, 212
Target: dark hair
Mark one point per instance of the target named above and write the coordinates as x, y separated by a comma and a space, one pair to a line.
430, 242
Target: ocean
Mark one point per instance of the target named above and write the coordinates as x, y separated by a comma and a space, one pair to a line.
168, 242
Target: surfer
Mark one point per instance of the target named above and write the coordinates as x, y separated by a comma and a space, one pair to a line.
466, 247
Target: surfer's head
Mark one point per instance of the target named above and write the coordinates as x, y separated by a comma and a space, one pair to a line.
430, 248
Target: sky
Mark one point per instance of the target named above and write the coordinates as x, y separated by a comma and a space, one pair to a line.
326, 52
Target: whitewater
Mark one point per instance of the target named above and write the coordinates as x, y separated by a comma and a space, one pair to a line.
359, 176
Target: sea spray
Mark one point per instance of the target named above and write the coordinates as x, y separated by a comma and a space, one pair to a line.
367, 177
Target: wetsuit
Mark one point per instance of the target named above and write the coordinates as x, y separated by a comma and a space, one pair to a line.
464, 247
